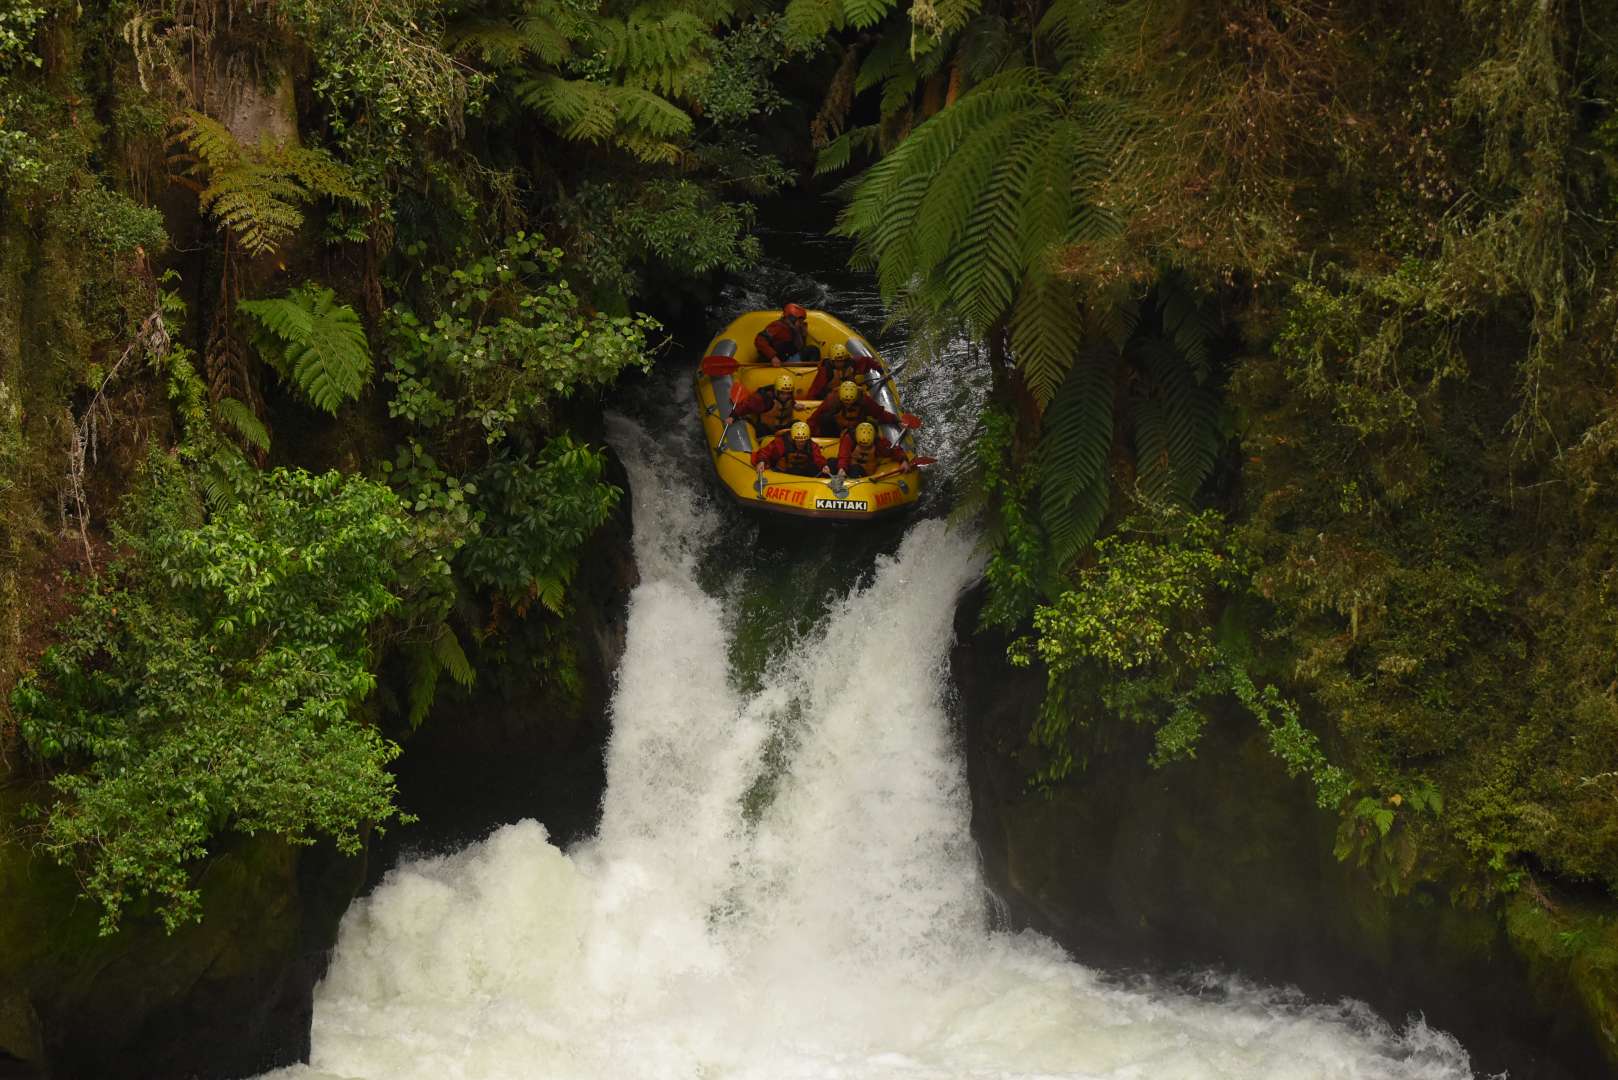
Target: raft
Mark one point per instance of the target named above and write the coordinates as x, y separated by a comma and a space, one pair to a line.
784, 493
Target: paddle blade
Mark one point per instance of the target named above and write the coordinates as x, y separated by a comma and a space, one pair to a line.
738, 393
922, 462
910, 420
715, 366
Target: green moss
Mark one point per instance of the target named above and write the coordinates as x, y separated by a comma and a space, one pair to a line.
1572, 950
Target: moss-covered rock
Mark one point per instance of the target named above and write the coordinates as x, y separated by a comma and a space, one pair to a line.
227, 996
1225, 861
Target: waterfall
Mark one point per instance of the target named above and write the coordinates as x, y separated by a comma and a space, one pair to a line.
783, 884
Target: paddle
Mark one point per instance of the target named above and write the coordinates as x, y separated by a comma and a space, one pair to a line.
715, 366
915, 463
738, 394
910, 420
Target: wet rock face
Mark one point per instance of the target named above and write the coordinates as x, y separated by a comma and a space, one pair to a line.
1225, 862
227, 997
521, 745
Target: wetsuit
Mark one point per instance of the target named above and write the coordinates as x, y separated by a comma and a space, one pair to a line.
857, 460
834, 418
784, 455
785, 342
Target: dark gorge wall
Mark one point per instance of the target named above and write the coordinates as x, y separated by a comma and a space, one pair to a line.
1223, 861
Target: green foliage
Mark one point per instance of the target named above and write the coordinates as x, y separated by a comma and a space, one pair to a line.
1016, 548
537, 513
319, 344
18, 27
257, 193
209, 681
505, 338
1132, 638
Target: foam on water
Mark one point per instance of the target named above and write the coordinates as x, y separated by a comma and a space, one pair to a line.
783, 886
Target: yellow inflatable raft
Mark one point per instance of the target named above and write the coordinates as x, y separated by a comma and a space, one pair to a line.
733, 444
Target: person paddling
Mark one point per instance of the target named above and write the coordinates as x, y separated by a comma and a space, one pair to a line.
839, 366
848, 409
771, 408
862, 452
794, 451
786, 340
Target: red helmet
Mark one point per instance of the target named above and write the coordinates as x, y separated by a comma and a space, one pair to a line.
794, 311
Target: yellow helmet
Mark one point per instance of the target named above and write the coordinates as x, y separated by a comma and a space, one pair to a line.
837, 353
849, 392
800, 432
865, 433
784, 384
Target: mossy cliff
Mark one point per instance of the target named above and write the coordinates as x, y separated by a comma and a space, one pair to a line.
227, 996
1223, 861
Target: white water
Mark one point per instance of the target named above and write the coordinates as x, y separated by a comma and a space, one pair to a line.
840, 931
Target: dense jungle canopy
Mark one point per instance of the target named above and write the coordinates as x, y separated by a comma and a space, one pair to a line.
1302, 316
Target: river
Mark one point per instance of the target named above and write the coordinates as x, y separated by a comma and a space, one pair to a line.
783, 883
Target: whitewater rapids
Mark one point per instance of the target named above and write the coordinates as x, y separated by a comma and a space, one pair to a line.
783, 886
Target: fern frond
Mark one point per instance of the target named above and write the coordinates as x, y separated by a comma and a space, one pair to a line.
1186, 445
1045, 333
325, 351
886, 58
449, 654
1075, 442
580, 109
1187, 322
649, 113
958, 186
238, 415
425, 668
861, 14
255, 193
807, 21
650, 150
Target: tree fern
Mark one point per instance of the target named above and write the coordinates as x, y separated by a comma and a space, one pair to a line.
254, 192
322, 348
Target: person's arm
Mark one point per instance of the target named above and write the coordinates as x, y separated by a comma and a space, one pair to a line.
766, 347
751, 405
767, 455
817, 389
818, 458
845, 452
877, 412
890, 451
817, 418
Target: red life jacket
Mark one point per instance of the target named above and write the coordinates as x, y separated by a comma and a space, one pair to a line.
784, 338
796, 459
778, 415
847, 417
862, 458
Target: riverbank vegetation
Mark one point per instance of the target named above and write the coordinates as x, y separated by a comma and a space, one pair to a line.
1302, 317
304, 312
1341, 275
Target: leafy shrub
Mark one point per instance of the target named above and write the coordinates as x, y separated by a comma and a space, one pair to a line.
1134, 637
209, 680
